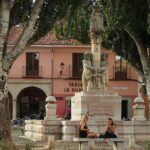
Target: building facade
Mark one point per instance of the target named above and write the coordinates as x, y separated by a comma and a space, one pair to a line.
53, 67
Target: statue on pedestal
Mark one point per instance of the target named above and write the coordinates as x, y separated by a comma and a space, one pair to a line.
95, 99
95, 74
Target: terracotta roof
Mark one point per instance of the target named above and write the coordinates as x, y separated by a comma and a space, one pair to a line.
49, 39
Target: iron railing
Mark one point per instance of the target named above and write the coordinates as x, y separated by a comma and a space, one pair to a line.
31, 73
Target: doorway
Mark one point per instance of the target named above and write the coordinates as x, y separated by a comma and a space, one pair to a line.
31, 101
124, 109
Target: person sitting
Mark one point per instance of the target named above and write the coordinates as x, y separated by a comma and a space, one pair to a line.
84, 132
110, 130
41, 115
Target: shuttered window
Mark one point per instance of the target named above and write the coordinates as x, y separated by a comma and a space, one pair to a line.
77, 67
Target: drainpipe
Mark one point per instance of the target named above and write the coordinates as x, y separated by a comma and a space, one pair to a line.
52, 68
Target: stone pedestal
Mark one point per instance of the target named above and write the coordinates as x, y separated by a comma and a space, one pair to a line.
39, 130
98, 104
70, 129
50, 111
139, 112
50, 108
139, 109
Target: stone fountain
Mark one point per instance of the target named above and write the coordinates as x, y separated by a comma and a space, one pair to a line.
95, 99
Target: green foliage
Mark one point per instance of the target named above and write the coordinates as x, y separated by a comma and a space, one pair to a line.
119, 15
133, 16
70, 18
51, 12
76, 26
147, 147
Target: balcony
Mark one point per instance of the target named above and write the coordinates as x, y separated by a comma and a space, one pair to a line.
123, 75
33, 73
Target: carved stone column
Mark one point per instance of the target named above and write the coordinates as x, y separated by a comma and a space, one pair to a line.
14, 109
96, 30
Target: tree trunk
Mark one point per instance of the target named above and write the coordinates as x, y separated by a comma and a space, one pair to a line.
5, 126
148, 91
144, 60
7, 60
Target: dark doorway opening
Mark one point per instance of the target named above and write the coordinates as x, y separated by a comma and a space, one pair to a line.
124, 109
30, 102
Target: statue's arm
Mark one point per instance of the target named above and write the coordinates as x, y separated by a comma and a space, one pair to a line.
103, 67
88, 65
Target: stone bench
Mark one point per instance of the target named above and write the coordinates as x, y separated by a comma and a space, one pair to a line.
116, 143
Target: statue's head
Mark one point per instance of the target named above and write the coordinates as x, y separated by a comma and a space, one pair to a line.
104, 57
88, 56
97, 8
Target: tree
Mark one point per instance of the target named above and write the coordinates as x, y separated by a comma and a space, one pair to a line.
36, 18
127, 32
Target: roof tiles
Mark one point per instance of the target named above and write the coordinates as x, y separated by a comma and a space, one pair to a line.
49, 39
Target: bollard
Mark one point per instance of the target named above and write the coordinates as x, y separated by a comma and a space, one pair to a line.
51, 142
131, 143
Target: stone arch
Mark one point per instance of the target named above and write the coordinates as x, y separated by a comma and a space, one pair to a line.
30, 100
16, 88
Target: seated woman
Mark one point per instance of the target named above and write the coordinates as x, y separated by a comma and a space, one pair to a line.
110, 130
84, 132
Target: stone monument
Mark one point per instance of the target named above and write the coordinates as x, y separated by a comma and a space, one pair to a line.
96, 99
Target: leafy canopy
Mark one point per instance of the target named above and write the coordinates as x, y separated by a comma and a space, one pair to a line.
51, 12
119, 15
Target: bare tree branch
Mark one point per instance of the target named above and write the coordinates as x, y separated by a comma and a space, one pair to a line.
27, 33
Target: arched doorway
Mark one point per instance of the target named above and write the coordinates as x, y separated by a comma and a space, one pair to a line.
31, 101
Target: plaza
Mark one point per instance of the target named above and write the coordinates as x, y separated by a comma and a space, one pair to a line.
74, 75
44, 77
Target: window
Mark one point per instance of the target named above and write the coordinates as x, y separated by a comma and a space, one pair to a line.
77, 67
32, 64
120, 68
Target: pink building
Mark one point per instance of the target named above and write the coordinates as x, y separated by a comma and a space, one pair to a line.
53, 67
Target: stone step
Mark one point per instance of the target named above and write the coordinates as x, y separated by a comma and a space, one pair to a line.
62, 145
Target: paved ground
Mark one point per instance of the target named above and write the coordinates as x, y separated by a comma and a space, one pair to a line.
20, 142
59, 145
